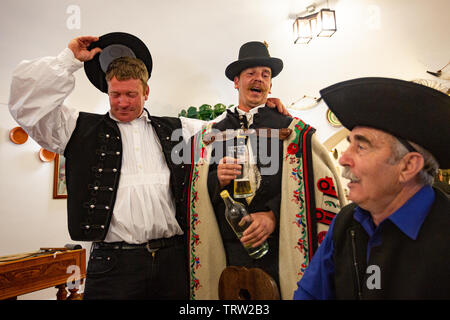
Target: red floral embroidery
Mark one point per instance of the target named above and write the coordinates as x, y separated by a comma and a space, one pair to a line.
292, 148
203, 152
321, 236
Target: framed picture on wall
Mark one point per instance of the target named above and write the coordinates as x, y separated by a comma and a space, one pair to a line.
59, 178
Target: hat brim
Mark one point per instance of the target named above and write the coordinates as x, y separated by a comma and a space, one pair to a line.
236, 67
93, 68
404, 109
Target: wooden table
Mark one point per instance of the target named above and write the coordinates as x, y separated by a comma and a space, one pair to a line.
60, 268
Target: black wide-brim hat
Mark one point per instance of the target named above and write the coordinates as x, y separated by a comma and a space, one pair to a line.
404, 109
115, 45
253, 54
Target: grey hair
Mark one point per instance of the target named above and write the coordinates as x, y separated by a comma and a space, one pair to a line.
430, 166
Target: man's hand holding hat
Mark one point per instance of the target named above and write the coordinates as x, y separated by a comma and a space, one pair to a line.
79, 47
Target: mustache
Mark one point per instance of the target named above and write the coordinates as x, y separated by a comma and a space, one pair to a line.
347, 174
258, 84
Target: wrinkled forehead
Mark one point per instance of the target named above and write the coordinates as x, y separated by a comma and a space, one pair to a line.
369, 134
258, 68
122, 85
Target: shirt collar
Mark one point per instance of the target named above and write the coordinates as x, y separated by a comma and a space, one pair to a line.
251, 111
408, 218
145, 115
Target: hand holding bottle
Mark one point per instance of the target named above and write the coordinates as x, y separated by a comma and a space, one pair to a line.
237, 216
261, 228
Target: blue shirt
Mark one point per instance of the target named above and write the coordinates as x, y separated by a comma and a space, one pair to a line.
318, 280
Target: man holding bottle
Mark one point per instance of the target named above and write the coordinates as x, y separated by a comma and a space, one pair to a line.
283, 163
125, 190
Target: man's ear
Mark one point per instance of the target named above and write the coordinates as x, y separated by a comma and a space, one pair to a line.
236, 82
412, 163
147, 91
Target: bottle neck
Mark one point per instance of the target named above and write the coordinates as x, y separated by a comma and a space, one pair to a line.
228, 201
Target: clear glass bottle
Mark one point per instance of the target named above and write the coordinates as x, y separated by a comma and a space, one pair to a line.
239, 220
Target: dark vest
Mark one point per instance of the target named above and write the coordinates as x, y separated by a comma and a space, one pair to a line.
266, 198
408, 269
93, 164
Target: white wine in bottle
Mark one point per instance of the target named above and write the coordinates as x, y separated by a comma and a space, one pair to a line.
239, 220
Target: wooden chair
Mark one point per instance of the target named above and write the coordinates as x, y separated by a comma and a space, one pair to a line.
240, 283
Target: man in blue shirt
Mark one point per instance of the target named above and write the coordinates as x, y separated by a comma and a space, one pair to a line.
393, 241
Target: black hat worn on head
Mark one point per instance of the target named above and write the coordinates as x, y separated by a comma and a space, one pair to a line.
404, 109
114, 45
253, 54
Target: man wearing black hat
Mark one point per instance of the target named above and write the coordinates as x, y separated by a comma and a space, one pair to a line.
125, 190
393, 241
120, 185
285, 203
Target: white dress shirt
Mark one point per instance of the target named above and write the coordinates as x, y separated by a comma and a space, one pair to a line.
250, 114
144, 207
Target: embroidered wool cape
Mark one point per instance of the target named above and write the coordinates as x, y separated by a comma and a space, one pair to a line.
311, 196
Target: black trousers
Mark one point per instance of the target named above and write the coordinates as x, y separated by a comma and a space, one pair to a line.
136, 274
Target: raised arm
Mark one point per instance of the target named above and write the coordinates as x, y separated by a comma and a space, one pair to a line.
38, 90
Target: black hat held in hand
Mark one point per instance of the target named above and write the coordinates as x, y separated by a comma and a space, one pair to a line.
114, 45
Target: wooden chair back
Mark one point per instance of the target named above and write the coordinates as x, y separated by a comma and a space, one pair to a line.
240, 283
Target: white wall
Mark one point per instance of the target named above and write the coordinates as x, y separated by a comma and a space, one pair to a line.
192, 42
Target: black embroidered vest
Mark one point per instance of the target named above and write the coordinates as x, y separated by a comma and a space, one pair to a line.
93, 164
408, 269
